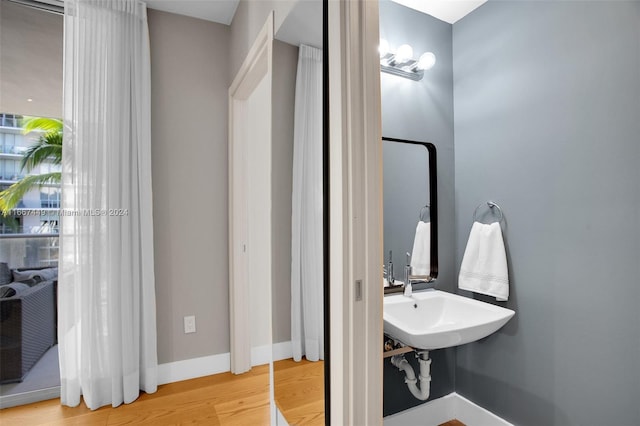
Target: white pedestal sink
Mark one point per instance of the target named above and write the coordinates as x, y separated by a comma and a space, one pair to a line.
433, 319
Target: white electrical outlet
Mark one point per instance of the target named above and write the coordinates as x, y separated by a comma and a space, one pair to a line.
190, 324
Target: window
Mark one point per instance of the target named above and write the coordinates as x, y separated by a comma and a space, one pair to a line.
38, 208
10, 120
50, 197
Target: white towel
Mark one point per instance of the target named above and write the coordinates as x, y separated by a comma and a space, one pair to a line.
421, 254
484, 264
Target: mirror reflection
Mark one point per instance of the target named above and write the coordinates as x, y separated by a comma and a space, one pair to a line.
298, 309
410, 214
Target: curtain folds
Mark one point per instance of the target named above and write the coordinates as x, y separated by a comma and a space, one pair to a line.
107, 314
306, 234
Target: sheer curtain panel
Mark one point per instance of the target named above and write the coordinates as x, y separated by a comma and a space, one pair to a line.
107, 314
307, 307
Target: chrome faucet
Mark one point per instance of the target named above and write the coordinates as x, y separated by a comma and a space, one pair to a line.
410, 279
390, 278
407, 277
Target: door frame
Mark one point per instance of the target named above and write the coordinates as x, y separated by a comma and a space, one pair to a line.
355, 181
256, 67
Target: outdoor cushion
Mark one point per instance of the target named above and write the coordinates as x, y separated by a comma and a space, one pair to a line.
7, 291
13, 289
37, 274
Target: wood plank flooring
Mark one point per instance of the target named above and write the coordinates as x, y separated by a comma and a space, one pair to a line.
453, 422
220, 400
299, 391
224, 399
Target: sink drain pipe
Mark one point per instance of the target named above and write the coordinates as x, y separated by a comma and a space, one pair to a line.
421, 392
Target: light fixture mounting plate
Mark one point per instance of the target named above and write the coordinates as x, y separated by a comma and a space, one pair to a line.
412, 75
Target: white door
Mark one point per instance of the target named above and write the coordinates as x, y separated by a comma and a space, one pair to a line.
258, 188
250, 206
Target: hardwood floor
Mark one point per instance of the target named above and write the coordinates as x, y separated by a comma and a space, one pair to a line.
299, 391
453, 422
223, 399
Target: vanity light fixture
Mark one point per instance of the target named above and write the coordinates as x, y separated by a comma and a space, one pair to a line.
401, 63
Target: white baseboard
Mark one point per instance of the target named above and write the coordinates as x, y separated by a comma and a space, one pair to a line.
282, 350
220, 363
260, 355
441, 410
264, 354
14, 400
430, 413
472, 414
193, 368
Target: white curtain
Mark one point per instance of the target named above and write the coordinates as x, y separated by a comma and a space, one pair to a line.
306, 234
107, 314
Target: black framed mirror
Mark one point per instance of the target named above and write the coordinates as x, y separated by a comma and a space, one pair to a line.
410, 211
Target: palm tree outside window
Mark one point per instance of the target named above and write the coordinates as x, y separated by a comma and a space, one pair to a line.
34, 183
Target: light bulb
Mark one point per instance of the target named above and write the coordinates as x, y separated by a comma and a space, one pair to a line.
383, 48
427, 60
404, 53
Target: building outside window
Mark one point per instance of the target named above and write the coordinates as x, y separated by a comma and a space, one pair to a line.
37, 212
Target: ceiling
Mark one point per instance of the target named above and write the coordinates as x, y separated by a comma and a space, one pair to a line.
446, 10
220, 11
303, 24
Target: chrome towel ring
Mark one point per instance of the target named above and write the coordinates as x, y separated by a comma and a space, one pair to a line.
423, 211
491, 206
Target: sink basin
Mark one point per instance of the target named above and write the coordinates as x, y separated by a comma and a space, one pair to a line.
433, 319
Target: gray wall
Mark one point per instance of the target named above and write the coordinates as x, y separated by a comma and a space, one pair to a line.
285, 64
189, 83
423, 111
547, 107
190, 77
247, 22
30, 61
